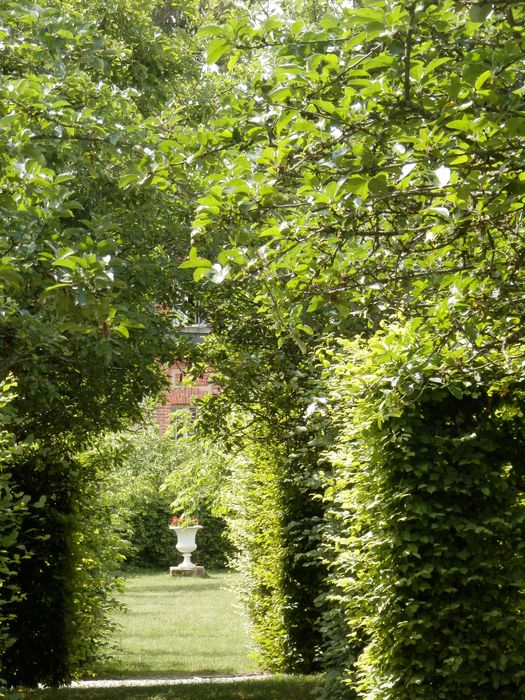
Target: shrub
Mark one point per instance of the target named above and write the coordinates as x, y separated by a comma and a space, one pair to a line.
13, 505
431, 549
60, 618
255, 527
276, 526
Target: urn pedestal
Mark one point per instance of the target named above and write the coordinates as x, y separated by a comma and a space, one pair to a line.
186, 545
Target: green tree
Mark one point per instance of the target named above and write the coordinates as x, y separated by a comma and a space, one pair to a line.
89, 246
374, 170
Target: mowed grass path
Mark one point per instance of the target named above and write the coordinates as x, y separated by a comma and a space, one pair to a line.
177, 627
280, 688
174, 627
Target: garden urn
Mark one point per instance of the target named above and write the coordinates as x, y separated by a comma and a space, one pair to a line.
186, 544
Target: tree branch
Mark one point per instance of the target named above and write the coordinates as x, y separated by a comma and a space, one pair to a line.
408, 50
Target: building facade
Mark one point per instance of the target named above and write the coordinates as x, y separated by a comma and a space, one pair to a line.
182, 396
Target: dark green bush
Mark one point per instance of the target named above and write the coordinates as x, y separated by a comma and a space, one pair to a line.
12, 508
152, 543
214, 549
59, 619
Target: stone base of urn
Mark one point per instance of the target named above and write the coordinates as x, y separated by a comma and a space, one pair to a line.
183, 571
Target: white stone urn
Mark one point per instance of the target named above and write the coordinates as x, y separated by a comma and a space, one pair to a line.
186, 544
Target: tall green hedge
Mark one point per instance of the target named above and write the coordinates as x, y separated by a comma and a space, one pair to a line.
428, 493
60, 618
255, 528
13, 506
275, 524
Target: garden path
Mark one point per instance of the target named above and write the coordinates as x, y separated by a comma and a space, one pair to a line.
138, 682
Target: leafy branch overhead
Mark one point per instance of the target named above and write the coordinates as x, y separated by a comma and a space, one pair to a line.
363, 185
371, 169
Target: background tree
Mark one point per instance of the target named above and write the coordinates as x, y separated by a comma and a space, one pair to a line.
156, 475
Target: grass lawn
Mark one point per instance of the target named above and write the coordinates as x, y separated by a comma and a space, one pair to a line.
280, 688
174, 627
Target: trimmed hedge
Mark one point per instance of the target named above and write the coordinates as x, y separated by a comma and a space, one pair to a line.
275, 524
151, 544
267, 415
13, 507
428, 494
60, 617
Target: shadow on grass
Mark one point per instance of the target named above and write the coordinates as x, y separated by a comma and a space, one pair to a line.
150, 672
172, 586
279, 688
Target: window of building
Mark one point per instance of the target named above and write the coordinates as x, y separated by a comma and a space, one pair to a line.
180, 428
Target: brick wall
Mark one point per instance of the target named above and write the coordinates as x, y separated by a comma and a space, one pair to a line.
180, 395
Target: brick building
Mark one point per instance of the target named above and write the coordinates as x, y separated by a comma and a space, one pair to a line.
181, 396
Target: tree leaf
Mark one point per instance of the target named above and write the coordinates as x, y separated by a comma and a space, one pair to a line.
217, 49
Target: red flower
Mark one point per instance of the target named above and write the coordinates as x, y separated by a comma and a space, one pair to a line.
184, 521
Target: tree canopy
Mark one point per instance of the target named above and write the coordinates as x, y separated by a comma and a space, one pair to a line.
372, 173
368, 187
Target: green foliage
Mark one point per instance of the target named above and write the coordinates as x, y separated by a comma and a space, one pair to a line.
375, 170
81, 328
257, 532
77, 293
13, 505
61, 617
96, 555
428, 493
158, 475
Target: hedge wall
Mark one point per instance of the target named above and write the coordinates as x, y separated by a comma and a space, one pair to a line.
428, 494
13, 506
60, 618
